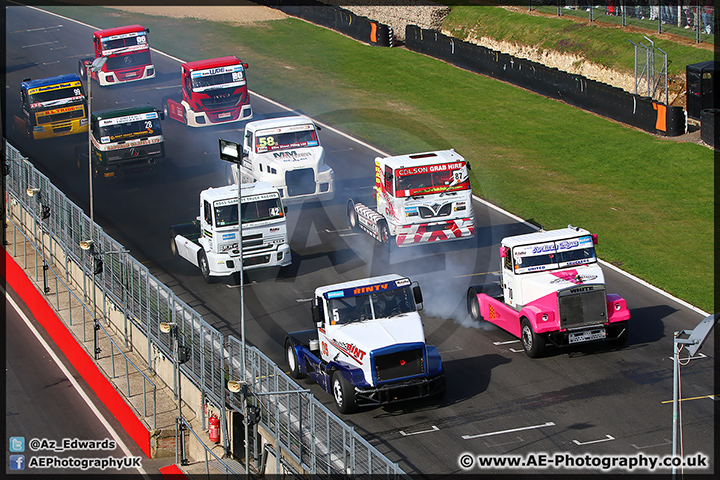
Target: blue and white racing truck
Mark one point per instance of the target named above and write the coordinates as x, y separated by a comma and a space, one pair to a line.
368, 347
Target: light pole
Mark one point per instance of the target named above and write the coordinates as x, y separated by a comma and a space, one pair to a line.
44, 215
97, 269
180, 356
232, 152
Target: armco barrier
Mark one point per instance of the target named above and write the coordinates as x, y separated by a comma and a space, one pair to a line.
336, 18
576, 90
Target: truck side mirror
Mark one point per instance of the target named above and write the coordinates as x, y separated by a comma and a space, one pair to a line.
245, 65
417, 294
467, 164
594, 238
161, 114
316, 314
503, 252
285, 208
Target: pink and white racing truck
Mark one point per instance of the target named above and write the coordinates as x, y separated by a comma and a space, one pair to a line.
552, 290
212, 92
128, 56
420, 198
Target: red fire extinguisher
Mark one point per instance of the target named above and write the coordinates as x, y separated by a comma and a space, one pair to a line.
214, 428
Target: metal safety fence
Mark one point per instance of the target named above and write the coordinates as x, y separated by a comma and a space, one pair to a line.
693, 19
301, 426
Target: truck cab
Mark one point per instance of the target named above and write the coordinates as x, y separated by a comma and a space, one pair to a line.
128, 56
287, 153
211, 242
551, 289
213, 91
368, 347
420, 198
126, 139
52, 107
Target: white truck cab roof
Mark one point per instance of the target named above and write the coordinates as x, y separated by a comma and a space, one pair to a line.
544, 236
420, 159
321, 291
223, 193
279, 122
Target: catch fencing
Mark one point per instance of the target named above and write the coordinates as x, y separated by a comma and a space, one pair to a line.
694, 19
302, 427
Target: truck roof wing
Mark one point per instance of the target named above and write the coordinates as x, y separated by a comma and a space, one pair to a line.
279, 122
544, 236
320, 291
425, 158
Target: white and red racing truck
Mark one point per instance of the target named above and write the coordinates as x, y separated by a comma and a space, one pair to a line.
212, 92
368, 345
420, 198
128, 56
552, 289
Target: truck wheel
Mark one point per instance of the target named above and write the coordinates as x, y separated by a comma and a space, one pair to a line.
352, 215
343, 393
173, 245
473, 306
204, 266
533, 343
292, 360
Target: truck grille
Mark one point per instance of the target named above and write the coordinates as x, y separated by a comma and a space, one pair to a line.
222, 98
426, 212
259, 260
300, 182
582, 306
394, 365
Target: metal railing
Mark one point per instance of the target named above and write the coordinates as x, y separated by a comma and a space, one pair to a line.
694, 19
314, 437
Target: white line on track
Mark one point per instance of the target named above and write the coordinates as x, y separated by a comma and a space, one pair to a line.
74, 382
505, 343
468, 437
39, 44
475, 197
516, 351
433, 429
606, 439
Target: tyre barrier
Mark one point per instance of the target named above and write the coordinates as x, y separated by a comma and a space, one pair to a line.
597, 97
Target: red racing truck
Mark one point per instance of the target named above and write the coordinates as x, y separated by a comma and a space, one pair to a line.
128, 56
212, 91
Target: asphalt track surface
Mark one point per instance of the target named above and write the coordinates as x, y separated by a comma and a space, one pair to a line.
591, 399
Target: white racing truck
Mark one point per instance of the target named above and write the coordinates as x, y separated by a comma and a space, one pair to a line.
552, 290
420, 198
368, 347
285, 152
211, 242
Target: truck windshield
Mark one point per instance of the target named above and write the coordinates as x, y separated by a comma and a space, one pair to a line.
59, 96
262, 210
115, 43
554, 255
128, 127
302, 136
431, 179
136, 59
359, 308
203, 80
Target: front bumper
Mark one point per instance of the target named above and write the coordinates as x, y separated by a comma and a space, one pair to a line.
448, 230
401, 391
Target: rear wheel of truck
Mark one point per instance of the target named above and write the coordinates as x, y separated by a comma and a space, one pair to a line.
173, 245
352, 215
533, 343
204, 266
473, 306
343, 393
292, 360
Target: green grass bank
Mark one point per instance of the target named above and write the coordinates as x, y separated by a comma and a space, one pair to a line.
650, 199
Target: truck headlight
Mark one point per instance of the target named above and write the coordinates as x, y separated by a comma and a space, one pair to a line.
618, 307
545, 317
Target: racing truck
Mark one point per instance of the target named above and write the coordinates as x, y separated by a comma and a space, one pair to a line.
368, 345
52, 107
552, 290
124, 140
285, 152
419, 198
212, 91
128, 56
211, 242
